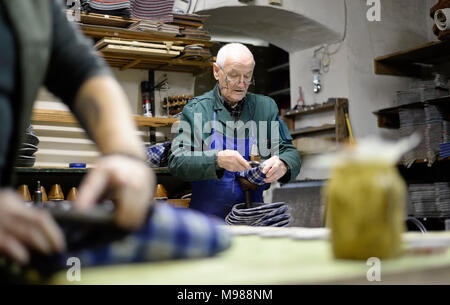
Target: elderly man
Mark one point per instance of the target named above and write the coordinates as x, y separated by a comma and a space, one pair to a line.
220, 129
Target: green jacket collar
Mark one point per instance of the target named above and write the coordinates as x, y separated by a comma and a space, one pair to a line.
222, 113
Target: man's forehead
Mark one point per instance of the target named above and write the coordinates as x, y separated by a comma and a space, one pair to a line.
239, 64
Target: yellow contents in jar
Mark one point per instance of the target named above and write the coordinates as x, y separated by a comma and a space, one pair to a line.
365, 210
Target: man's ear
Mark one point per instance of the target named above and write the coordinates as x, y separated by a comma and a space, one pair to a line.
216, 69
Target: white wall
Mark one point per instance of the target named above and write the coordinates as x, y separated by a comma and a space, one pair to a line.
61, 143
404, 24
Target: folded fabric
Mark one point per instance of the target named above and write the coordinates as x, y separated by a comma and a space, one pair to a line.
121, 8
254, 175
261, 214
156, 10
169, 233
110, 4
157, 155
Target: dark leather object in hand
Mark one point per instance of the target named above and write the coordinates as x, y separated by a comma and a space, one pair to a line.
165, 156
82, 230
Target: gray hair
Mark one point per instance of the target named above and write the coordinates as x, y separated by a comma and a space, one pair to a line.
231, 49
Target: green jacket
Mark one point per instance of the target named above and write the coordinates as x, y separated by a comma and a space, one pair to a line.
202, 165
51, 53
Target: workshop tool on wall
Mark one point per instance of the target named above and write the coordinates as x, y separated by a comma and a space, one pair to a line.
300, 101
315, 66
349, 126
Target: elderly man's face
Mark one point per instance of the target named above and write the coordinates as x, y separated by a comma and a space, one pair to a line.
235, 77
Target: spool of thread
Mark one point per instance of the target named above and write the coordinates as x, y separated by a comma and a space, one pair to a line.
442, 19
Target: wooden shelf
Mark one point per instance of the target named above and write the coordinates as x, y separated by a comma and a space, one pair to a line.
51, 170
67, 170
126, 60
408, 62
308, 130
337, 105
285, 91
389, 117
106, 20
99, 31
423, 161
322, 108
61, 116
133, 61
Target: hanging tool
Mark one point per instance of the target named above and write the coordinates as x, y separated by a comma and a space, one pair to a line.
349, 126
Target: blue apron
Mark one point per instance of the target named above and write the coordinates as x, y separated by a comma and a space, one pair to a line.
217, 197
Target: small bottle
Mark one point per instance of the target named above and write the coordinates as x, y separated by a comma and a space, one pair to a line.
38, 195
146, 105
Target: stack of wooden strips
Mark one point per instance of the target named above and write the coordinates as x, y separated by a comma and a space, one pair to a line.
195, 52
191, 26
155, 28
154, 49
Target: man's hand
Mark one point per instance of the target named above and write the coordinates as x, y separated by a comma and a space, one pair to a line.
232, 161
22, 227
274, 169
129, 182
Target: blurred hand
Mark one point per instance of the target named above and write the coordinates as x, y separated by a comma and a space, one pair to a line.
232, 161
127, 181
274, 169
22, 228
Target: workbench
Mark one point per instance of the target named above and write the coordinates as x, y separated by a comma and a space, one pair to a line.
273, 259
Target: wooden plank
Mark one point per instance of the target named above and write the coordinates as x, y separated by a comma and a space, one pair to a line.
139, 51
307, 130
61, 116
97, 31
106, 20
181, 203
341, 131
130, 64
323, 108
404, 62
129, 42
162, 61
53, 116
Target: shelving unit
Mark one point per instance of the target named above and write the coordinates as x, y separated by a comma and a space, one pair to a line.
72, 177
411, 62
61, 116
414, 62
97, 27
335, 104
133, 61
